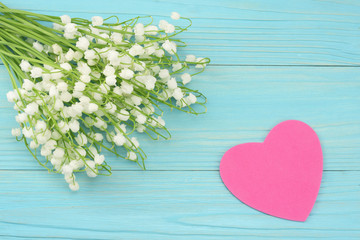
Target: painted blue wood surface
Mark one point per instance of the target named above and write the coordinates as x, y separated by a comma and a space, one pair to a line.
271, 61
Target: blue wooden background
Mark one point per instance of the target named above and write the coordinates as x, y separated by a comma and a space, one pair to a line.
271, 61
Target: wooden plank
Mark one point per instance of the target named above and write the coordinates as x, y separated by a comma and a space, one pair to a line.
243, 32
163, 205
244, 104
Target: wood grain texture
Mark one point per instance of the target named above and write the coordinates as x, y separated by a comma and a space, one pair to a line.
257, 32
164, 205
268, 61
244, 104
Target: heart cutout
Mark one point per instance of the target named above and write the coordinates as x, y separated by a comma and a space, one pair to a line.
281, 176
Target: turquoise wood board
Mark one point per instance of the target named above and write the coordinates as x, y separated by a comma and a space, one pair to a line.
244, 104
271, 61
163, 205
251, 32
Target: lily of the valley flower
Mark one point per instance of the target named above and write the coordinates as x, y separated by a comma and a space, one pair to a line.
87, 86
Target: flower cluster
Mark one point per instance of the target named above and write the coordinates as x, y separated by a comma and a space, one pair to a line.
85, 86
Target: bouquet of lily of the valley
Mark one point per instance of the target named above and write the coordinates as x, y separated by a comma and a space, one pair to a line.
81, 86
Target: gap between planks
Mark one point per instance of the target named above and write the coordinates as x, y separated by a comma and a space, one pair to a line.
277, 65
158, 170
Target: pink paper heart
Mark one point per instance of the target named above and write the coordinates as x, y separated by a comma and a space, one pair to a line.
280, 176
